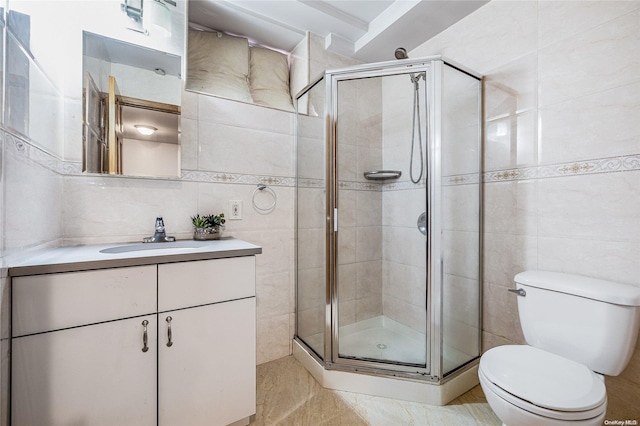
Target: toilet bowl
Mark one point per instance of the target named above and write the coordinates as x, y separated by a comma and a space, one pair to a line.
577, 329
526, 386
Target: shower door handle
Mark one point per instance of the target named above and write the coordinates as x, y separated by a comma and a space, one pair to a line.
422, 223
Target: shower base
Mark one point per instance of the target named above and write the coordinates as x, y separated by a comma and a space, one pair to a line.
383, 338
400, 343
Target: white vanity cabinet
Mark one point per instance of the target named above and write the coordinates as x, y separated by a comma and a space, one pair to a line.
92, 375
77, 355
207, 363
207, 375
95, 347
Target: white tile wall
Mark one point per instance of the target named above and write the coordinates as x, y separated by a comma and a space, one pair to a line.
546, 64
225, 148
602, 57
46, 199
299, 67
106, 209
561, 99
2, 191
495, 34
32, 194
603, 124
124, 209
321, 59
598, 207
559, 20
37, 104
512, 88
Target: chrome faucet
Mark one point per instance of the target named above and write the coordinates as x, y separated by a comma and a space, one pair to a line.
160, 236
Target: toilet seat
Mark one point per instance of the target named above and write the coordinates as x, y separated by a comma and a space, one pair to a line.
488, 386
543, 383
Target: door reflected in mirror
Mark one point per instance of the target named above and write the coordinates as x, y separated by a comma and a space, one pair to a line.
131, 109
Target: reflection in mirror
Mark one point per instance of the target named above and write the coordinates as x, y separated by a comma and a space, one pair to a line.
17, 68
150, 138
2, 31
92, 135
131, 109
230, 67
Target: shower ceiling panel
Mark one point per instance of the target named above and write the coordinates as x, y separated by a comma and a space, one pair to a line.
367, 30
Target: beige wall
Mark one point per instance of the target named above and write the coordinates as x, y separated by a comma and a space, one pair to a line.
312, 196
359, 146
562, 150
227, 148
404, 266
562, 173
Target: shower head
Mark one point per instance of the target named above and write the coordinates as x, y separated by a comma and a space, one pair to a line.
401, 53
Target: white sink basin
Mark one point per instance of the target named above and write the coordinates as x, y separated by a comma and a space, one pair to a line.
174, 245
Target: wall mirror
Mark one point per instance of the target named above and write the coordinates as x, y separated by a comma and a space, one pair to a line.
131, 109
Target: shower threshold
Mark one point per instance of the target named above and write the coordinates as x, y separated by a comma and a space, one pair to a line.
403, 344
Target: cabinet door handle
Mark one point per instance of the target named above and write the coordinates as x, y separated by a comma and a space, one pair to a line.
169, 343
144, 336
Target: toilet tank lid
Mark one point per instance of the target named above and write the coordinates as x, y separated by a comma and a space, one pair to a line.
591, 288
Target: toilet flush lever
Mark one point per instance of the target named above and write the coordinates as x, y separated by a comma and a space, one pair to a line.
518, 291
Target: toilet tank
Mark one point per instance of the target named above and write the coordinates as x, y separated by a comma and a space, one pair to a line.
591, 321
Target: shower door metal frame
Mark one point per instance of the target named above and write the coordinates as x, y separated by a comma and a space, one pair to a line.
434, 68
331, 355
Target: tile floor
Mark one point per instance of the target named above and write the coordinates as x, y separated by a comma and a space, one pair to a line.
288, 395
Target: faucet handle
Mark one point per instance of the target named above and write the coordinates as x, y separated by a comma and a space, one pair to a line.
160, 236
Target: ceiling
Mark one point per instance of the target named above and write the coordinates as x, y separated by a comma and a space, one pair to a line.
367, 30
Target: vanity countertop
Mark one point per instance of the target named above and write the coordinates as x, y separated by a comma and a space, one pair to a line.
85, 257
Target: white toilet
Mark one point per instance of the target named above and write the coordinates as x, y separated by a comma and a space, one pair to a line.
577, 330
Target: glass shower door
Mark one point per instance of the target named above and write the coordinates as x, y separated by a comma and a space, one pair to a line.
380, 192
311, 199
460, 212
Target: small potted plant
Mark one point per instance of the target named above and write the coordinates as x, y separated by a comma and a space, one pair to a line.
208, 227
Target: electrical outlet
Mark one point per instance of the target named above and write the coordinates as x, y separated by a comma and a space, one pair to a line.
235, 209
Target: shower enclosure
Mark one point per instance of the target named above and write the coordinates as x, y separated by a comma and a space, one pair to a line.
388, 266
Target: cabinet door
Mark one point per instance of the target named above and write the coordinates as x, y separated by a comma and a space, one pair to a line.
91, 375
55, 301
208, 374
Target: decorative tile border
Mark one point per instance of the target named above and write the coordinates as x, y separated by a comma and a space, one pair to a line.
30, 152
601, 165
465, 179
402, 185
24, 148
311, 183
361, 186
345, 184
218, 177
